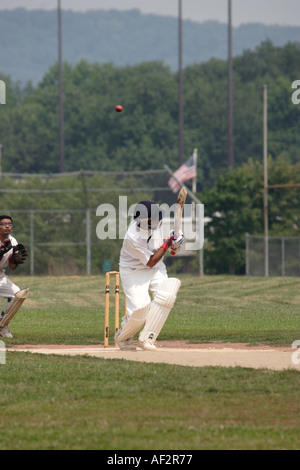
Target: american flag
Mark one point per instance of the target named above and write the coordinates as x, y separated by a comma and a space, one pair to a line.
186, 172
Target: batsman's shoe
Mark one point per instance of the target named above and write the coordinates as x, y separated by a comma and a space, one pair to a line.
5, 332
127, 345
147, 345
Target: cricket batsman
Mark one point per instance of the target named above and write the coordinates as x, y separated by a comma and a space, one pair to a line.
142, 271
12, 254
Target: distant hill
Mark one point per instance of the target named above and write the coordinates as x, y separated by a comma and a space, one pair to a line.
28, 39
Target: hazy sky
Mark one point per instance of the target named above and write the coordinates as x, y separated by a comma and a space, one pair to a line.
285, 12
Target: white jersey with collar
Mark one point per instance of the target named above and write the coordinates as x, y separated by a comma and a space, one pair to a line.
4, 261
139, 245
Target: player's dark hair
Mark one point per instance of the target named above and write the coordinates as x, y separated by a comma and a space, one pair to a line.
6, 217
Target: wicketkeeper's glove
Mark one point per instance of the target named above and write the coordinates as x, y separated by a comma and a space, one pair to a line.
20, 254
5, 248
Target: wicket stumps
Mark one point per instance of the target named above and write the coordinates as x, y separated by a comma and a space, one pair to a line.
117, 304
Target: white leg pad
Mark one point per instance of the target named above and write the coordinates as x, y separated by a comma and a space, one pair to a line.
161, 306
132, 324
14, 305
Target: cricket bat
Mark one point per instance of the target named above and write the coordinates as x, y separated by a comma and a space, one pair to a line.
181, 198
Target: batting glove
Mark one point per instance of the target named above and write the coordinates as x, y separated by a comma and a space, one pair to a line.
176, 242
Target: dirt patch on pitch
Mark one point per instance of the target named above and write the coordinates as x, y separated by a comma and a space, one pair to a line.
186, 354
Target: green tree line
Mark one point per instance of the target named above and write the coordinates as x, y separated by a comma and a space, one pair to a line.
145, 135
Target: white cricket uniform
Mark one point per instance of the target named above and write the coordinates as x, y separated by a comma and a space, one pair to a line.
137, 278
7, 288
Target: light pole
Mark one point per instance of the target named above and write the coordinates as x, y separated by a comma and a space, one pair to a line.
230, 106
1, 160
61, 103
265, 160
180, 87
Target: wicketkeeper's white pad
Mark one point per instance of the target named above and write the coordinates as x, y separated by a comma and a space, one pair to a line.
131, 324
161, 306
14, 305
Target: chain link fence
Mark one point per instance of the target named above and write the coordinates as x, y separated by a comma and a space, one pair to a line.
55, 216
284, 256
58, 217
65, 242
60, 242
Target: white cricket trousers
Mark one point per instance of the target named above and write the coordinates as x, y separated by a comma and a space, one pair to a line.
137, 283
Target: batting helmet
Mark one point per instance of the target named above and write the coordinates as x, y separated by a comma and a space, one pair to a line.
148, 215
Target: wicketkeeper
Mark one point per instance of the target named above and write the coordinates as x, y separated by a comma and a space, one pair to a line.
142, 270
12, 254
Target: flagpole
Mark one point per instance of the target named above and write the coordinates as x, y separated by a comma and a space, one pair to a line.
194, 188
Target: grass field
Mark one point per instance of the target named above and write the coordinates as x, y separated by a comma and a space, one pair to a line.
54, 402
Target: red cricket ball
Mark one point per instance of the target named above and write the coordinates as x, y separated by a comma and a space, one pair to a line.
119, 108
